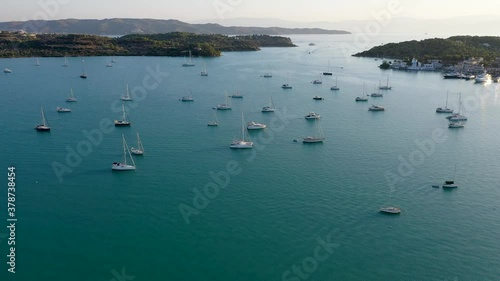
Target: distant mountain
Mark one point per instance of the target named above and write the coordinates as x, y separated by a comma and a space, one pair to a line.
444, 27
148, 26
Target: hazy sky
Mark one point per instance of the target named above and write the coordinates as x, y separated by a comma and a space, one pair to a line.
194, 10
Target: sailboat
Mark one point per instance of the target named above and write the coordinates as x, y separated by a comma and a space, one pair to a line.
140, 149
66, 64
45, 124
286, 86
336, 87
318, 81
319, 136
127, 96
123, 166
204, 72
224, 106
37, 62
386, 87
270, 107
83, 75
108, 63
71, 96
362, 97
445, 109
328, 72
190, 62
242, 143
451, 184
458, 116
390, 209
215, 122
268, 74
124, 121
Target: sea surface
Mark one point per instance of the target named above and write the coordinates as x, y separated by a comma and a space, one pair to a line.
282, 211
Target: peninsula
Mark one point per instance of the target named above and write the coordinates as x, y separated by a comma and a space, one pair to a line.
22, 44
449, 51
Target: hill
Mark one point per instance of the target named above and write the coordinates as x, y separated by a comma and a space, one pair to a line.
168, 44
450, 50
120, 26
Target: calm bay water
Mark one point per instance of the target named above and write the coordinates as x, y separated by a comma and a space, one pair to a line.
288, 195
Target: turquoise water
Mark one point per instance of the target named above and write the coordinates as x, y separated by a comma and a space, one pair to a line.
92, 223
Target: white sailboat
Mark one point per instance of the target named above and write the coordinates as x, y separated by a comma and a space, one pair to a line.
215, 122
65, 64
37, 62
204, 72
445, 109
108, 63
241, 143
127, 96
390, 209
458, 116
190, 61
270, 107
44, 126
224, 106
71, 96
268, 74
318, 81
123, 166
335, 87
140, 149
318, 137
83, 75
124, 121
386, 86
362, 97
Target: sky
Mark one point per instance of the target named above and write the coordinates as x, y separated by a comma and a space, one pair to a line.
199, 10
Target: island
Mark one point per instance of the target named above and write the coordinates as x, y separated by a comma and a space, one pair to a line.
448, 51
23, 44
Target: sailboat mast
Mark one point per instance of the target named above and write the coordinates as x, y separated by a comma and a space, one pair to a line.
447, 94
124, 151
242, 128
123, 112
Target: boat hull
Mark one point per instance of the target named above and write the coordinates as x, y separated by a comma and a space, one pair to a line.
241, 145
122, 167
121, 123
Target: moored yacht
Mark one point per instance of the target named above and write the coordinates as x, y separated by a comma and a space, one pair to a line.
255, 126
62, 109
312, 115
390, 210
376, 108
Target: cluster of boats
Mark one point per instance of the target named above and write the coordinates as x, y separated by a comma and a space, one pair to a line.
480, 78
456, 120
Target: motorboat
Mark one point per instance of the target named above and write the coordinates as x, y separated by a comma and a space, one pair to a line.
255, 126
62, 109
376, 108
312, 115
